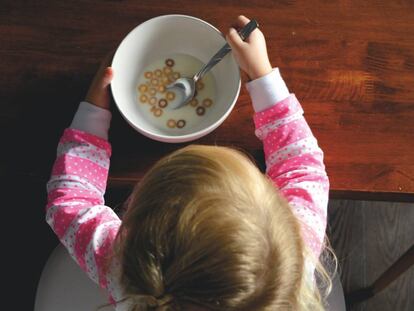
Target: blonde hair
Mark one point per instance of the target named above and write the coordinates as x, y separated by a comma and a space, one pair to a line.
206, 228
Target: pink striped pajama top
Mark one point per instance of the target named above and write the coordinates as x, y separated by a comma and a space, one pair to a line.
87, 228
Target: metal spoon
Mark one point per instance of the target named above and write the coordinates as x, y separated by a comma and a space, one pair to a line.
188, 85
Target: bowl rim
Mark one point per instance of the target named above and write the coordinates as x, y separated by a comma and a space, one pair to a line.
176, 138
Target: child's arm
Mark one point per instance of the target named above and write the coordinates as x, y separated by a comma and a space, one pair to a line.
293, 159
294, 162
75, 209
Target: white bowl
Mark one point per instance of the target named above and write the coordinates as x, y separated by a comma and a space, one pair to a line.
156, 38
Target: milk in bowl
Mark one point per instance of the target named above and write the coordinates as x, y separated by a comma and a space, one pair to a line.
154, 99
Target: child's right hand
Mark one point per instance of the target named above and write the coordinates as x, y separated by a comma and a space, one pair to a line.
252, 53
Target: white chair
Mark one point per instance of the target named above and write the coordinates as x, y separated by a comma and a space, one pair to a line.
63, 286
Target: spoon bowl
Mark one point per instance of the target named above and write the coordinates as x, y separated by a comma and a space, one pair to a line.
186, 86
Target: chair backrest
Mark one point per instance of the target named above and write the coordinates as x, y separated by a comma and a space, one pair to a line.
64, 286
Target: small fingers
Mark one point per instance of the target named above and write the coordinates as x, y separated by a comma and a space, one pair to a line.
103, 78
233, 38
107, 76
240, 22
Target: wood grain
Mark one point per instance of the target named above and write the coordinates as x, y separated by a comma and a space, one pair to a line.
368, 238
349, 62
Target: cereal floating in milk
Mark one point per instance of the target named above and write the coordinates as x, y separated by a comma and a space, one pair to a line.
171, 123
154, 95
180, 123
201, 111
207, 102
194, 102
169, 62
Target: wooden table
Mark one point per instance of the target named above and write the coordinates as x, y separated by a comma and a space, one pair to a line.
350, 63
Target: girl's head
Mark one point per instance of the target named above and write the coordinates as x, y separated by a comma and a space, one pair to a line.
206, 230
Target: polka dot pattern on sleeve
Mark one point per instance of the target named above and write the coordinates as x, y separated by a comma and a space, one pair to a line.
75, 185
263, 131
74, 135
312, 240
75, 209
113, 283
60, 196
65, 217
86, 169
297, 162
281, 110
301, 147
285, 135
72, 182
86, 152
294, 163
302, 199
85, 232
101, 254
97, 240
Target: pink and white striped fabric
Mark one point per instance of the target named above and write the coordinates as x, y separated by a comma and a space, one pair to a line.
77, 214
76, 210
295, 164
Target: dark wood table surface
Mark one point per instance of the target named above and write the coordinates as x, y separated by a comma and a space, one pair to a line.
350, 63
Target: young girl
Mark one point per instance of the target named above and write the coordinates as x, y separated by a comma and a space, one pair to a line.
204, 229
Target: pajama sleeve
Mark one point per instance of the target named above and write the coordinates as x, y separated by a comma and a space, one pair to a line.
294, 161
75, 208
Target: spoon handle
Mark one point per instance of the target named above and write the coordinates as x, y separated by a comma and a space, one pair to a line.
244, 33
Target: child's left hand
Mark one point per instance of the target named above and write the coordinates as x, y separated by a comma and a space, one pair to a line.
98, 93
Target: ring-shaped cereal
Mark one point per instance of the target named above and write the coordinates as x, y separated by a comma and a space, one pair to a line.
165, 80
170, 95
154, 82
200, 110
161, 88
152, 91
171, 123
176, 75
157, 112
207, 102
167, 70
143, 88
152, 101
148, 75
162, 103
143, 98
169, 62
158, 73
199, 85
194, 102
180, 124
